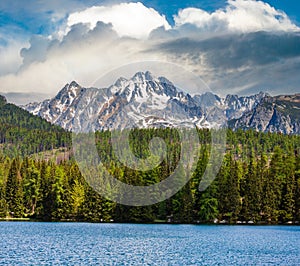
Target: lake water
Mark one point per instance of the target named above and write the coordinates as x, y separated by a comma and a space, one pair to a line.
24, 243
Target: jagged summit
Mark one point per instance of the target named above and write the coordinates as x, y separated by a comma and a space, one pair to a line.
143, 85
74, 84
143, 77
138, 77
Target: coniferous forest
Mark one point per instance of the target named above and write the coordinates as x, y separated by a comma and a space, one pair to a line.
259, 180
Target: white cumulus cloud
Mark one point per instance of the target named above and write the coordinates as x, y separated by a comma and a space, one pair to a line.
128, 19
239, 15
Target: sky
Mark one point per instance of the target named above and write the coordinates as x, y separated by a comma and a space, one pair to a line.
235, 46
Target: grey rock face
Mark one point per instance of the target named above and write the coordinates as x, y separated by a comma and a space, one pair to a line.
272, 114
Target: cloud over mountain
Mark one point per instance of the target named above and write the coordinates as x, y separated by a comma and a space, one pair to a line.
242, 48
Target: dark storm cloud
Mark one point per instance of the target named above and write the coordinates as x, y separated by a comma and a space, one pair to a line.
275, 79
238, 50
239, 63
37, 51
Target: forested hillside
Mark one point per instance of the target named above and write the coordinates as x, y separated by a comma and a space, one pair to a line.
259, 181
22, 133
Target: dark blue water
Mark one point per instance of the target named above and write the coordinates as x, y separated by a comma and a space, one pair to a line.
131, 244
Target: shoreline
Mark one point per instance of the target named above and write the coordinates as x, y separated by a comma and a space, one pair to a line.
145, 223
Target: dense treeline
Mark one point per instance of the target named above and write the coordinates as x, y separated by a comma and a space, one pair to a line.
259, 181
22, 133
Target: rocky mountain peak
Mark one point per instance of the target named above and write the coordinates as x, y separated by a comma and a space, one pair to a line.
143, 77
207, 99
272, 114
120, 82
144, 85
71, 90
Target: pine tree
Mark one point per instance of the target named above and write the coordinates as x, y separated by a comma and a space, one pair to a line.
14, 192
31, 185
273, 187
288, 201
45, 202
252, 188
57, 192
77, 196
229, 196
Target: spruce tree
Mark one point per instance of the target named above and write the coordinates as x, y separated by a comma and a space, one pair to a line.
14, 192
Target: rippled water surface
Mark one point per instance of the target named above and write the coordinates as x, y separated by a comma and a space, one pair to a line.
130, 244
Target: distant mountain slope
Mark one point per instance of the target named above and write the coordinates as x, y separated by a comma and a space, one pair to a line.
147, 101
273, 114
22, 133
233, 106
142, 101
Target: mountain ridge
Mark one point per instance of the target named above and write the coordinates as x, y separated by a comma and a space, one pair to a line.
275, 114
148, 101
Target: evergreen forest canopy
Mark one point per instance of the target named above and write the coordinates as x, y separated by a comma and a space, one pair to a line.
259, 179
22, 133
